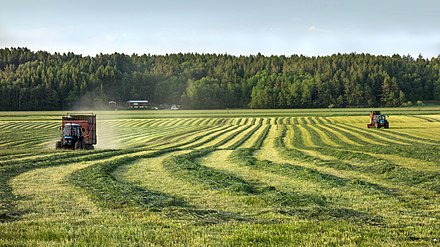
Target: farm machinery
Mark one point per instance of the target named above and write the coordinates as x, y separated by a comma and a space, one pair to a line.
378, 120
77, 131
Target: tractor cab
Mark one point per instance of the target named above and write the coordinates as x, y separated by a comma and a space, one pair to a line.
72, 135
72, 130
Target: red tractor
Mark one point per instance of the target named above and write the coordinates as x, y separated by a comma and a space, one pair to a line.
78, 131
378, 120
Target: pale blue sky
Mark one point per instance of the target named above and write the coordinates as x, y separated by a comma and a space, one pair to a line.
312, 27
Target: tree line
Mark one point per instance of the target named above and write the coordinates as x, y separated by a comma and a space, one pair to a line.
43, 81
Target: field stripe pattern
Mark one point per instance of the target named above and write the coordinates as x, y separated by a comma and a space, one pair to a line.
243, 174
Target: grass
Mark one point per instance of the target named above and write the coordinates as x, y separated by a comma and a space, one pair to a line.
223, 178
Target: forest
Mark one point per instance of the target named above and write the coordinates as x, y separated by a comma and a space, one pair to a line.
39, 80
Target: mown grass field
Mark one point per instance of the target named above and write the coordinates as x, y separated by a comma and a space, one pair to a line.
229, 177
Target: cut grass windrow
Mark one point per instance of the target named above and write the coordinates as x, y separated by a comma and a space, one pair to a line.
98, 181
337, 136
228, 138
365, 164
372, 134
202, 140
356, 137
223, 178
299, 203
245, 137
7, 211
185, 167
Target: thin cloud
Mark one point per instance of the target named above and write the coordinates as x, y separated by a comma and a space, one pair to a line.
314, 29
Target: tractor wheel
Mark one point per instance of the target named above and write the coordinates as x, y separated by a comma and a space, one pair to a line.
58, 145
77, 146
387, 126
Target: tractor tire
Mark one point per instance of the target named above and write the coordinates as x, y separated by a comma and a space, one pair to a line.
387, 126
58, 145
77, 146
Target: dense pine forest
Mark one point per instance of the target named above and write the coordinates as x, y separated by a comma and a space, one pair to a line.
43, 81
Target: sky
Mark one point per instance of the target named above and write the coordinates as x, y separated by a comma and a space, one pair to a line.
269, 27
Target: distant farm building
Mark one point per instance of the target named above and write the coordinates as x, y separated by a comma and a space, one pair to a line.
137, 104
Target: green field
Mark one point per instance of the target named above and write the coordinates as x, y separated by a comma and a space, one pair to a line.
225, 177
